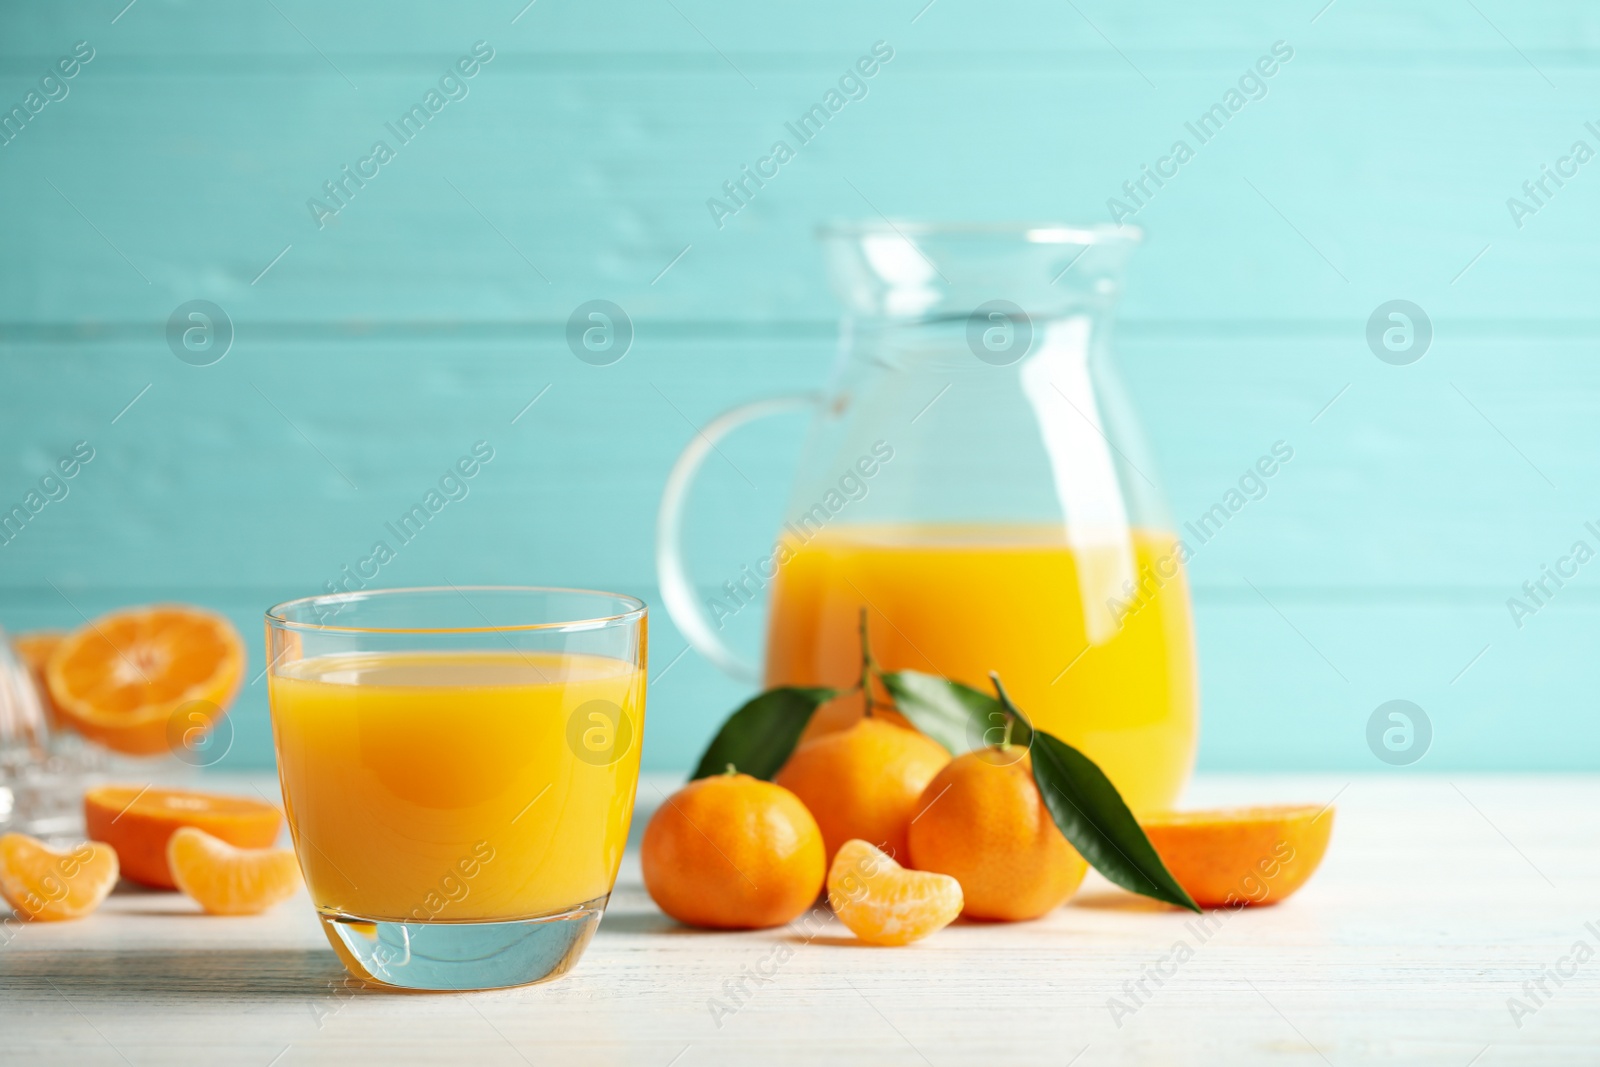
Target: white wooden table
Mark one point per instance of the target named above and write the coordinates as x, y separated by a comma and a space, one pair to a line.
1440, 897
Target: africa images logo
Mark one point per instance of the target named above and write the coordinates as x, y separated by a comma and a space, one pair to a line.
852, 85
452, 86
1251, 86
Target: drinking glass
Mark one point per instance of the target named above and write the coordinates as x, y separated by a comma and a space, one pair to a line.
458, 767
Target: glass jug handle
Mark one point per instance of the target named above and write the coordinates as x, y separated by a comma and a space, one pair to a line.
677, 589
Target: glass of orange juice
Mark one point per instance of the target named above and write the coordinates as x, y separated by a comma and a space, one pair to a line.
458, 766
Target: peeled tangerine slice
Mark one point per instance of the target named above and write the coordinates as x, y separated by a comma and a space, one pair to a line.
43, 884
1235, 857
231, 881
883, 903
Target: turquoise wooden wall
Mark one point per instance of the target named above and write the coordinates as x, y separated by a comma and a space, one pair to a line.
428, 311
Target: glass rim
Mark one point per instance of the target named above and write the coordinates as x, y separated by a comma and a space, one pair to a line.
276, 616
1063, 233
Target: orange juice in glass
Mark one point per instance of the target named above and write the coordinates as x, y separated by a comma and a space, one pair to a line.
458, 767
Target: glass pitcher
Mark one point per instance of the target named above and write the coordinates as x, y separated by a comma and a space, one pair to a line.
975, 480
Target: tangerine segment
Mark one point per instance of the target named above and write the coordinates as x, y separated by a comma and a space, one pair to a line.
138, 821
733, 852
119, 679
883, 903
1241, 856
231, 881
46, 885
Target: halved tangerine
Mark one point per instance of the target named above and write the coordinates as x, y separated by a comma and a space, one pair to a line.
231, 881
882, 902
120, 679
1235, 857
138, 821
46, 885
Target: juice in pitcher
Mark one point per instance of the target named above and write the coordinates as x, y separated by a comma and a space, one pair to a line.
973, 475
1109, 672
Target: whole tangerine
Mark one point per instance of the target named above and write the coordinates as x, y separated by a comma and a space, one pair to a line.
864, 782
732, 852
983, 822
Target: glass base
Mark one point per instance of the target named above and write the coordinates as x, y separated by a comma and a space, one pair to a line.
463, 956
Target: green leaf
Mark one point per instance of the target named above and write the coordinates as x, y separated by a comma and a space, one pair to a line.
758, 738
1092, 815
957, 716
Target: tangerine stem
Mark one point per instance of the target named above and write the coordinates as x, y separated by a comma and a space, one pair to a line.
1010, 709
866, 667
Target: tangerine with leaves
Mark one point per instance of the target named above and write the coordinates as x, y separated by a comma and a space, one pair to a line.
984, 823
732, 852
864, 781
1022, 836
